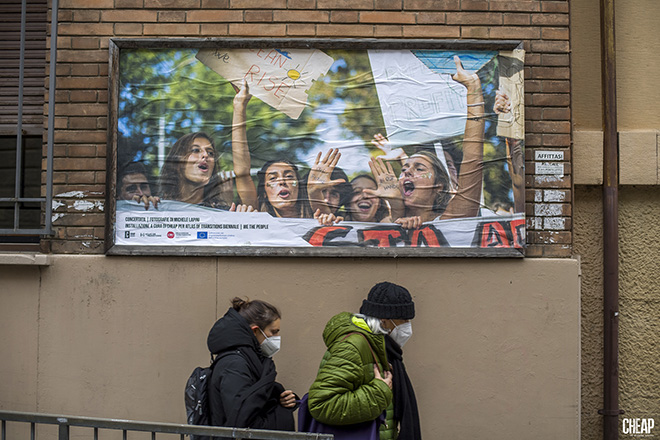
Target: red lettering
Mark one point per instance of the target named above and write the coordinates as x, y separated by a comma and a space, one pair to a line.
425, 236
494, 235
272, 82
319, 236
281, 60
261, 79
251, 72
517, 230
279, 88
384, 237
271, 56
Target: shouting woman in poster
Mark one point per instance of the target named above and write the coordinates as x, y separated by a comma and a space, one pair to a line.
280, 190
424, 183
190, 175
190, 172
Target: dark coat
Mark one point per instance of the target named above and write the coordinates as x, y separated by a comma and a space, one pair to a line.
243, 391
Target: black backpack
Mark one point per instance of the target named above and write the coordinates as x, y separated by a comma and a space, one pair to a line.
197, 397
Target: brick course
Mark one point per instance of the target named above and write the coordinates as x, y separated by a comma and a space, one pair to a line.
87, 25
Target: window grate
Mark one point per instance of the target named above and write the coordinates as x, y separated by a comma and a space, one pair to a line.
21, 200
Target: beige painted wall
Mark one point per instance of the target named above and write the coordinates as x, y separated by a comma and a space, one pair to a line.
638, 97
637, 45
495, 354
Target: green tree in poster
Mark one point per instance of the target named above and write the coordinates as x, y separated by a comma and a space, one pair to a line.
164, 94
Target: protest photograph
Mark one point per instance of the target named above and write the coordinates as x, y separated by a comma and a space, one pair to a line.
303, 148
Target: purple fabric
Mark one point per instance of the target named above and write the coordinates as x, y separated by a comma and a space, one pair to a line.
360, 431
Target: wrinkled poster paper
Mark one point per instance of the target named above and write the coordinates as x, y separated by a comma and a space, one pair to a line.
419, 102
280, 78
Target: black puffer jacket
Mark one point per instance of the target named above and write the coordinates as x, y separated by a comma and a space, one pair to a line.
243, 391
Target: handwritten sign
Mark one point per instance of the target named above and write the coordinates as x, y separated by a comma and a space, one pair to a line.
418, 105
512, 124
280, 78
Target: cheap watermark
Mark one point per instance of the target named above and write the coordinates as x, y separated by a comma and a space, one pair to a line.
638, 427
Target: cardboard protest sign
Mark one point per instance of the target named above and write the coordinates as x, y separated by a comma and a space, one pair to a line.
418, 105
280, 78
512, 124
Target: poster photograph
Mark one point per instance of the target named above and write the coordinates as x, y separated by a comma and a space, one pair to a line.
349, 150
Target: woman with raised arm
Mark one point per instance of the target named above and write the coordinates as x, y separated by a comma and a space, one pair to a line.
424, 183
280, 190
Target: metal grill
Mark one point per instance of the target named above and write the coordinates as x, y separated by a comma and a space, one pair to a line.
18, 199
96, 427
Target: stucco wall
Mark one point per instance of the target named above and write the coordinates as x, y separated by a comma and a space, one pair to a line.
639, 304
495, 352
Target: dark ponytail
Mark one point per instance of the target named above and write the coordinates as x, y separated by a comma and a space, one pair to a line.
256, 312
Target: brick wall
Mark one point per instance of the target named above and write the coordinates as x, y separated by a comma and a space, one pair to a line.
82, 83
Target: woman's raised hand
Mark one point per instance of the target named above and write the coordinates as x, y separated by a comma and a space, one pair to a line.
318, 178
413, 222
241, 208
242, 95
327, 219
388, 185
379, 141
464, 77
502, 103
146, 200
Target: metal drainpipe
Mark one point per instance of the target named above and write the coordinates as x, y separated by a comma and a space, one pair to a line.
610, 410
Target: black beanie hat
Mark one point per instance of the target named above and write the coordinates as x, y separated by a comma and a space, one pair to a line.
388, 301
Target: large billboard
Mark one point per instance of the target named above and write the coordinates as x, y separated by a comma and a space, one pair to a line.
270, 148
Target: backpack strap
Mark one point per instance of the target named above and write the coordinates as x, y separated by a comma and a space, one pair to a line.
373, 353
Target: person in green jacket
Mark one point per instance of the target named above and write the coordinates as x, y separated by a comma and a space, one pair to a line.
362, 373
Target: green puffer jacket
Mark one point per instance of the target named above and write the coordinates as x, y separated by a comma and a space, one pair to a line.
345, 390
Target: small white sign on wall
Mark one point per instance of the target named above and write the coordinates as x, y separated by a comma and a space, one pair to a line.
544, 155
552, 168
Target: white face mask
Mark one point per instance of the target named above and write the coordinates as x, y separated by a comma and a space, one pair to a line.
401, 333
271, 344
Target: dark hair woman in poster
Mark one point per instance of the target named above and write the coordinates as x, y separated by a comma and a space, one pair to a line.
364, 207
190, 173
280, 190
243, 392
424, 184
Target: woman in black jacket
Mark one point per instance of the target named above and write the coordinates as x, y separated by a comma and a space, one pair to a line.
243, 391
